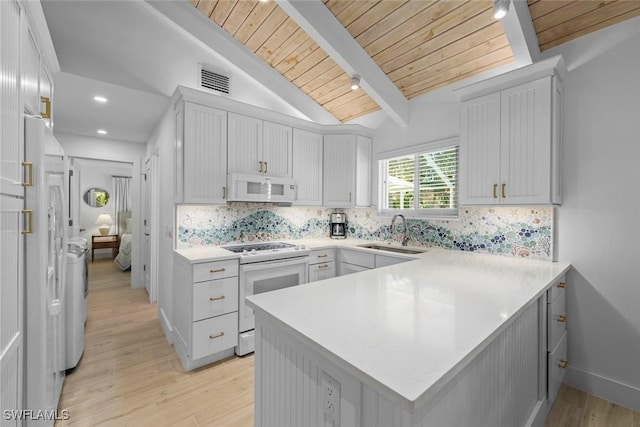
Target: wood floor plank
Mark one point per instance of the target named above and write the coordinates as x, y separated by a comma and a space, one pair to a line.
130, 376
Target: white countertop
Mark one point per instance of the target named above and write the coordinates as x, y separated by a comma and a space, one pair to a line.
407, 329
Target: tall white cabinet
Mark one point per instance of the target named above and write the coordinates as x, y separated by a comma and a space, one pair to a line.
11, 205
510, 145
201, 154
345, 185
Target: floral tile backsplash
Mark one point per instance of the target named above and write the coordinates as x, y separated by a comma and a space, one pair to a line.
510, 231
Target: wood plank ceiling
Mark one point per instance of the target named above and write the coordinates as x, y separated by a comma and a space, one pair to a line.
559, 21
421, 45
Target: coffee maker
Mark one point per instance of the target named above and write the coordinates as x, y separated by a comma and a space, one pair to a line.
338, 229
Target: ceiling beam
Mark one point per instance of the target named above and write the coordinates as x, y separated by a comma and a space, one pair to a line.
323, 27
518, 26
188, 19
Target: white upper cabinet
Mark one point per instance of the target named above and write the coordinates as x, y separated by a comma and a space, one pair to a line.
307, 167
277, 149
201, 154
257, 146
11, 140
510, 146
37, 85
347, 171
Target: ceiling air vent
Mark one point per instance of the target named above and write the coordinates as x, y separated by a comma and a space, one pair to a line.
214, 81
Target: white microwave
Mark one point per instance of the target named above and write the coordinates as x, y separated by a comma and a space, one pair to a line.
260, 188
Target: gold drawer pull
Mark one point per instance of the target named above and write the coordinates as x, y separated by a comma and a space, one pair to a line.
261, 163
495, 191
323, 266
561, 318
29, 213
266, 167
563, 364
562, 285
213, 337
216, 298
224, 192
504, 191
30, 182
47, 107
220, 270
322, 256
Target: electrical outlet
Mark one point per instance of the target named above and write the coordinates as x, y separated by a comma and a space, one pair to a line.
330, 399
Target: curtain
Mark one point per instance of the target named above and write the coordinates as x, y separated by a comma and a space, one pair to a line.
121, 197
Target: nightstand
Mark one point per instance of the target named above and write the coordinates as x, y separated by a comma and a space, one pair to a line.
111, 241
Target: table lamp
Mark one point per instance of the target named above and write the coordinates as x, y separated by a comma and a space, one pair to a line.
105, 221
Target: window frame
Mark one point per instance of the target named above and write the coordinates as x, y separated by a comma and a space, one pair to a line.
424, 213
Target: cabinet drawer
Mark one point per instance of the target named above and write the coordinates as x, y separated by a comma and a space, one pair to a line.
215, 270
215, 297
556, 320
362, 259
345, 268
557, 361
557, 289
322, 271
322, 255
213, 335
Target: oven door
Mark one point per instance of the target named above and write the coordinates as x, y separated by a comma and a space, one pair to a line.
268, 276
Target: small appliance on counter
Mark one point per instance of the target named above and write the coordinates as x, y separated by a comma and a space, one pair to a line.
338, 224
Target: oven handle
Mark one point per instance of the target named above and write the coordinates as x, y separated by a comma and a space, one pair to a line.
275, 264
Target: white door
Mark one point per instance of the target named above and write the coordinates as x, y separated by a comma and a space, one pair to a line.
11, 303
307, 167
277, 143
245, 144
339, 171
146, 226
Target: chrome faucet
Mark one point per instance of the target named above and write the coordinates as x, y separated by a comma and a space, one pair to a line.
405, 234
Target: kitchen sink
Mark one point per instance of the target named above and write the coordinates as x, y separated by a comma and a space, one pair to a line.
401, 250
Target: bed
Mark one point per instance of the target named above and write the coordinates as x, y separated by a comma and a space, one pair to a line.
123, 260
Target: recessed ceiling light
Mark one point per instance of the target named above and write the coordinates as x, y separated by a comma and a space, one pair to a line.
102, 131
99, 98
500, 8
355, 82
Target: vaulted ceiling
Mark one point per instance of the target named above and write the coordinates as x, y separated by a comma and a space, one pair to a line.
407, 48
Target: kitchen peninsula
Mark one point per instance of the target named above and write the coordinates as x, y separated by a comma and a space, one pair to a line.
449, 339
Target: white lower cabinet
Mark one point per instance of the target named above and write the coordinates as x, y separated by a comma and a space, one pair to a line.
351, 261
556, 337
322, 264
205, 310
384, 260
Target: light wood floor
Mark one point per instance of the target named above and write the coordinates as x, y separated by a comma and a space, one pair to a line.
130, 376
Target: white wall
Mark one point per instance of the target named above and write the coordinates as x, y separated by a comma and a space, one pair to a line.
598, 224
162, 142
83, 147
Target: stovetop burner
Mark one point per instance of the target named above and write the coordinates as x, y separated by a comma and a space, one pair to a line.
267, 246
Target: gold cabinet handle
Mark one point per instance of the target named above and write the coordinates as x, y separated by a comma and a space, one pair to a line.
266, 167
216, 298
323, 256
224, 192
562, 285
220, 270
261, 163
47, 107
29, 183
504, 191
323, 266
213, 337
563, 364
561, 318
349, 197
495, 191
29, 213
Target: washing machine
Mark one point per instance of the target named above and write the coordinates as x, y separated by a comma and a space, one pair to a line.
76, 299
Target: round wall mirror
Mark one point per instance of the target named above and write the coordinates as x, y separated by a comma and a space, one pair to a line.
96, 197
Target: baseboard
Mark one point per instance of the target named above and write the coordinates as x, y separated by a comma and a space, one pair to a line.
166, 326
605, 388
